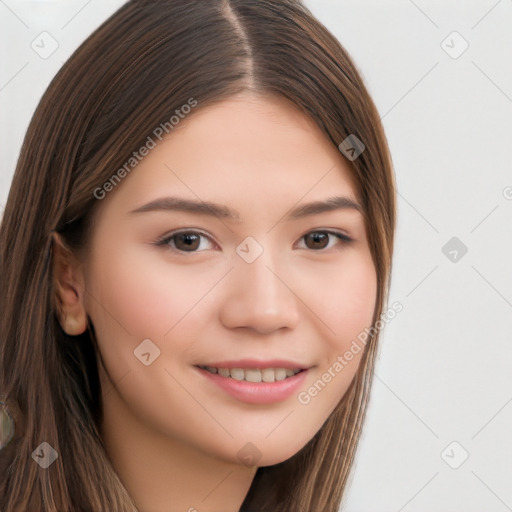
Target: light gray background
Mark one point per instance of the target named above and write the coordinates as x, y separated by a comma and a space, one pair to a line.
443, 373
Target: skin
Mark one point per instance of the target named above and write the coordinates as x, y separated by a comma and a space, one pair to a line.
172, 435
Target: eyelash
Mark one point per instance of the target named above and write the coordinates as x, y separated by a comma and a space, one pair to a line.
166, 239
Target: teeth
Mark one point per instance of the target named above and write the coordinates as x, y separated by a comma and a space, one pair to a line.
280, 373
268, 375
223, 372
254, 374
237, 373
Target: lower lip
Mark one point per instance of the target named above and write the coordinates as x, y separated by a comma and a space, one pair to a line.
258, 392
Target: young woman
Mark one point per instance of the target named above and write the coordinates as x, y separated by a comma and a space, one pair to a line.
195, 257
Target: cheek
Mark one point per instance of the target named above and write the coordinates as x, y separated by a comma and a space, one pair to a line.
143, 296
345, 305
343, 295
134, 297
353, 299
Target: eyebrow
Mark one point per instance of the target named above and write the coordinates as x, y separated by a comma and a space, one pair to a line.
221, 211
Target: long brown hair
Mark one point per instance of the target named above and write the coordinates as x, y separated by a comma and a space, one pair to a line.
147, 60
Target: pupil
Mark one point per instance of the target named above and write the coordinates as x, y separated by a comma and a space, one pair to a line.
189, 240
320, 240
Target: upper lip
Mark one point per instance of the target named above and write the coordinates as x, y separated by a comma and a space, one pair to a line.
254, 363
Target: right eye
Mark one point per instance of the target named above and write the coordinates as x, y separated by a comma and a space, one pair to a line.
186, 241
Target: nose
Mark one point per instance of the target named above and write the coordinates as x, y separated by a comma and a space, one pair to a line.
258, 296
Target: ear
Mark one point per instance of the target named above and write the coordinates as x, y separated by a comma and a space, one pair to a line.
68, 284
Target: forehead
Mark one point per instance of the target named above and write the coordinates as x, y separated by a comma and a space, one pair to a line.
244, 150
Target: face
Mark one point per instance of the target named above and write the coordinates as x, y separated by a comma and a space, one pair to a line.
222, 303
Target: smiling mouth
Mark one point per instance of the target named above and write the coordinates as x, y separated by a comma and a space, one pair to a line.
253, 374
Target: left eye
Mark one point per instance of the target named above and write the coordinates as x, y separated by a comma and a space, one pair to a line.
318, 240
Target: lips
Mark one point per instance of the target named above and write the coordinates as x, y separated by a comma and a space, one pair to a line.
256, 381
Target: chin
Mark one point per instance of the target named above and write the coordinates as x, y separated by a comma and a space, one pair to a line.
270, 455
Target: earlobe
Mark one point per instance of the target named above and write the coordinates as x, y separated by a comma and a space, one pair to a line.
68, 287
75, 325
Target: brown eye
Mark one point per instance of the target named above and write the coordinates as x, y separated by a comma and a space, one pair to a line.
186, 241
317, 240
